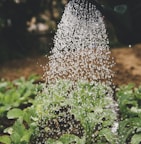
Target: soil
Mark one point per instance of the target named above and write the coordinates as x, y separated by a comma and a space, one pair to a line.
127, 68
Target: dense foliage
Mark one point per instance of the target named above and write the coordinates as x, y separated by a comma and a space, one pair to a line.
129, 99
28, 115
80, 112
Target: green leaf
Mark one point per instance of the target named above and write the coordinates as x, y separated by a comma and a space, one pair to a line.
110, 137
28, 115
26, 136
15, 137
18, 131
67, 139
136, 139
14, 113
33, 77
127, 128
5, 139
3, 86
4, 109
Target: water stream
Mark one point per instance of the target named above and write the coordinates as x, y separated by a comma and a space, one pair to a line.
81, 50
80, 55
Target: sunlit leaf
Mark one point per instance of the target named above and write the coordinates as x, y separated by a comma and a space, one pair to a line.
15, 113
5, 139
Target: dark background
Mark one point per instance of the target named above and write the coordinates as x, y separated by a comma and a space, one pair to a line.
27, 27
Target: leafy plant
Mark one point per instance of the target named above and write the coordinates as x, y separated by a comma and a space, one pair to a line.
129, 99
22, 129
16, 113
83, 110
16, 94
67, 113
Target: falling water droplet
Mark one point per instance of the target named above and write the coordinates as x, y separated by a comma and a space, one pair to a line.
80, 53
81, 37
130, 46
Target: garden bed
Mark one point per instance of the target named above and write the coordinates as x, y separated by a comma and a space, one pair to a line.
30, 114
68, 113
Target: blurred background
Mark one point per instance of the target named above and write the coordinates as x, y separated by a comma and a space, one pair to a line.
27, 27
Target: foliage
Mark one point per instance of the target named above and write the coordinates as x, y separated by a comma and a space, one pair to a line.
15, 99
16, 94
82, 108
129, 99
29, 116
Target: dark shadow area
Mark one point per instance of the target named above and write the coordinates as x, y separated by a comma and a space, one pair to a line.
27, 27
124, 15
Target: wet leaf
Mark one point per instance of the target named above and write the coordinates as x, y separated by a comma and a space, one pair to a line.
136, 139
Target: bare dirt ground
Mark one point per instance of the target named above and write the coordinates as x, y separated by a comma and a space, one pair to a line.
128, 65
127, 68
